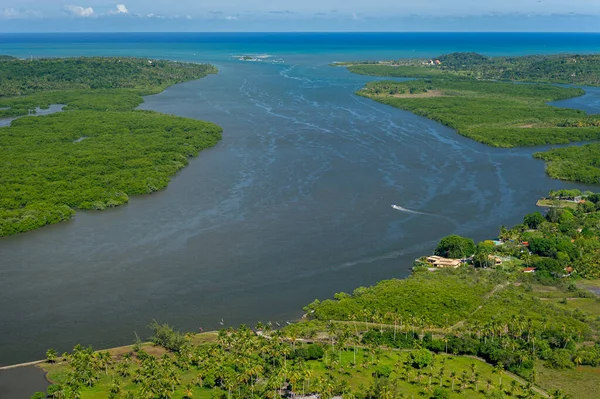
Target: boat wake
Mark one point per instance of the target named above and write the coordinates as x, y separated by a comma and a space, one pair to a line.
402, 209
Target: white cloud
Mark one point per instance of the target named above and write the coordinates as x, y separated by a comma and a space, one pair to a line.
354, 16
121, 9
79, 11
13, 13
231, 18
10, 13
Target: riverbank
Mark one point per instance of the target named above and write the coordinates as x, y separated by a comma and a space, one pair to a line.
348, 354
48, 170
495, 113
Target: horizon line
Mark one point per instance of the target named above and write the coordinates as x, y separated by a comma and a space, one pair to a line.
304, 32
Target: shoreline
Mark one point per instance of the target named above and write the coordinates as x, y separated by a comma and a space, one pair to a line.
116, 350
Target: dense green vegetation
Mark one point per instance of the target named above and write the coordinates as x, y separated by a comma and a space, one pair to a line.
561, 68
494, 113
573, 163
440, 303
427, 336
21, 77
464, 91
99, 151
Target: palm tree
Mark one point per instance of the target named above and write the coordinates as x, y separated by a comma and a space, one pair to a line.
331, 330
59, 392
476, 376
188, 391
116, 386
532, 377
307, 374
558, 394
453, 378
51, 355
499, 369
366, 314
514, 385
352, 317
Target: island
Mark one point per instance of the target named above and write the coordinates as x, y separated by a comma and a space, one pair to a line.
477, 96
99, 150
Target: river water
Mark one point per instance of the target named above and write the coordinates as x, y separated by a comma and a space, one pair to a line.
292, 205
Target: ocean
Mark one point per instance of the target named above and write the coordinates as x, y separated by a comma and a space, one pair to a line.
292, 205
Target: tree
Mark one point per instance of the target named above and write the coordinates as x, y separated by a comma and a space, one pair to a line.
483, 255
533, 220
454, 246
421, 358
188, 391
51, 355
499, 369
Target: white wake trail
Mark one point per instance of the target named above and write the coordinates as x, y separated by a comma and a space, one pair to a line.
402, 209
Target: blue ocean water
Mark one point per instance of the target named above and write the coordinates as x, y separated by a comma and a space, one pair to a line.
334, 46
292, 205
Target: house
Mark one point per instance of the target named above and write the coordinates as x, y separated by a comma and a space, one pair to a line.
497, 261
529, 270
441, 262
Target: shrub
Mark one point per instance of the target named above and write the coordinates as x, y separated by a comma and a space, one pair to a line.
421, 358
165, 336
440, 393
560, 359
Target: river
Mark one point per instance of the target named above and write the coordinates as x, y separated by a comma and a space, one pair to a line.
292, 205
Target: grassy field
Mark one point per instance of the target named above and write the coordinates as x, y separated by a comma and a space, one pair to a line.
416, 382
579, 383
546, 203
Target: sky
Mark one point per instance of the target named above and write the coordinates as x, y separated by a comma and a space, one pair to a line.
304, 15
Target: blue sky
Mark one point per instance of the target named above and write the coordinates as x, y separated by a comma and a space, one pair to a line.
305, 15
